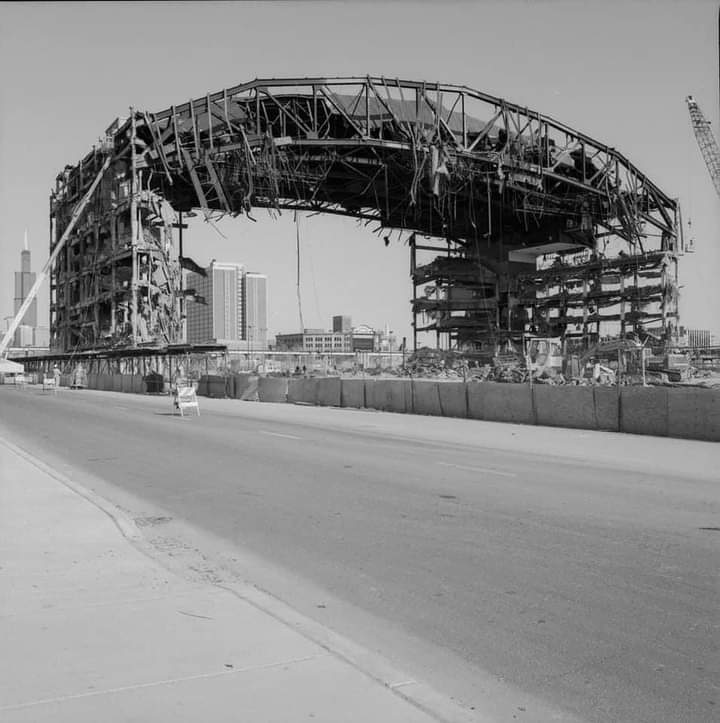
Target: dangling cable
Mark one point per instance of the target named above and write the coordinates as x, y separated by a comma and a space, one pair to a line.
297, 245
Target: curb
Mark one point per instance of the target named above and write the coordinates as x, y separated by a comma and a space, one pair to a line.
372, 665
125, 524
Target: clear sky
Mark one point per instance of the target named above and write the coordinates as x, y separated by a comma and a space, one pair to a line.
618, 71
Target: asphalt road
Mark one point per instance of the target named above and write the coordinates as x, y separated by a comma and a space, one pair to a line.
534, 574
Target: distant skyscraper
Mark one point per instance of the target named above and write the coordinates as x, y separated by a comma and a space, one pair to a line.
342, 324
256, 305
24, 335
24, 279
41, 337
221, 317
235, 308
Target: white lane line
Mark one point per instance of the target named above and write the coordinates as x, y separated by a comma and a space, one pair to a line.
277, 434
478, 469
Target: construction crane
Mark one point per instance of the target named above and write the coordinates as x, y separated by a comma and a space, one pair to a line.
53, 256
706, 141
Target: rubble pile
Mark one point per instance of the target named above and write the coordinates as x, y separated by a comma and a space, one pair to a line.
430, 363
434, 363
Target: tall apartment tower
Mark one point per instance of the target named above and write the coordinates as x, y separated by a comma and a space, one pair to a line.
221, 318
342, 324
24, 279
256, 309
232, 306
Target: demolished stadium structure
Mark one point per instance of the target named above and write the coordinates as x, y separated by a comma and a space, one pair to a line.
525, 225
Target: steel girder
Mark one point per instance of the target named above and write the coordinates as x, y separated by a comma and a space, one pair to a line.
411, 154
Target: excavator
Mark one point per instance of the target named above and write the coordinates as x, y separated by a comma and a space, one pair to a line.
627, 352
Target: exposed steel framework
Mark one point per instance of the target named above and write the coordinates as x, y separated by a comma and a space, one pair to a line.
532, 226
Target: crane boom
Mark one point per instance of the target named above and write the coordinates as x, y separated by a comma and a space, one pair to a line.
53, 256
706, 141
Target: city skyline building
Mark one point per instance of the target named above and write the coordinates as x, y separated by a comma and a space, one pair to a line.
216, 313
229, 306
24, 280
343, 339
41, 337
342, 324
256, 309
697, 338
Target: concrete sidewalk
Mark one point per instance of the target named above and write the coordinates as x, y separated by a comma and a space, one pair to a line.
93, 629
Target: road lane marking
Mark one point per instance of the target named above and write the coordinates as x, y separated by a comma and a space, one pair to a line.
277, 434
478, 469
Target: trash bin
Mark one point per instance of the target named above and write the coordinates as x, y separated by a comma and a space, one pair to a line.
154, 383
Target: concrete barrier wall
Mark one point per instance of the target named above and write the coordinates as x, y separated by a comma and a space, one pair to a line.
426, 398
250, 393
273, 389
497, 402
389, 395
689, 413
475, 401
245, 386
238, 384
453, 399
694, 413
605, 400
564, 406
352, 393
328, 392
217, 386
302, 391
644, 410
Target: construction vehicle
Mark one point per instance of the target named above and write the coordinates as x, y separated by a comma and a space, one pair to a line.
676, 366
544, 356
620, 356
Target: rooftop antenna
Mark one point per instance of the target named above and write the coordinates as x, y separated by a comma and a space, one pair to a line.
25, 243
